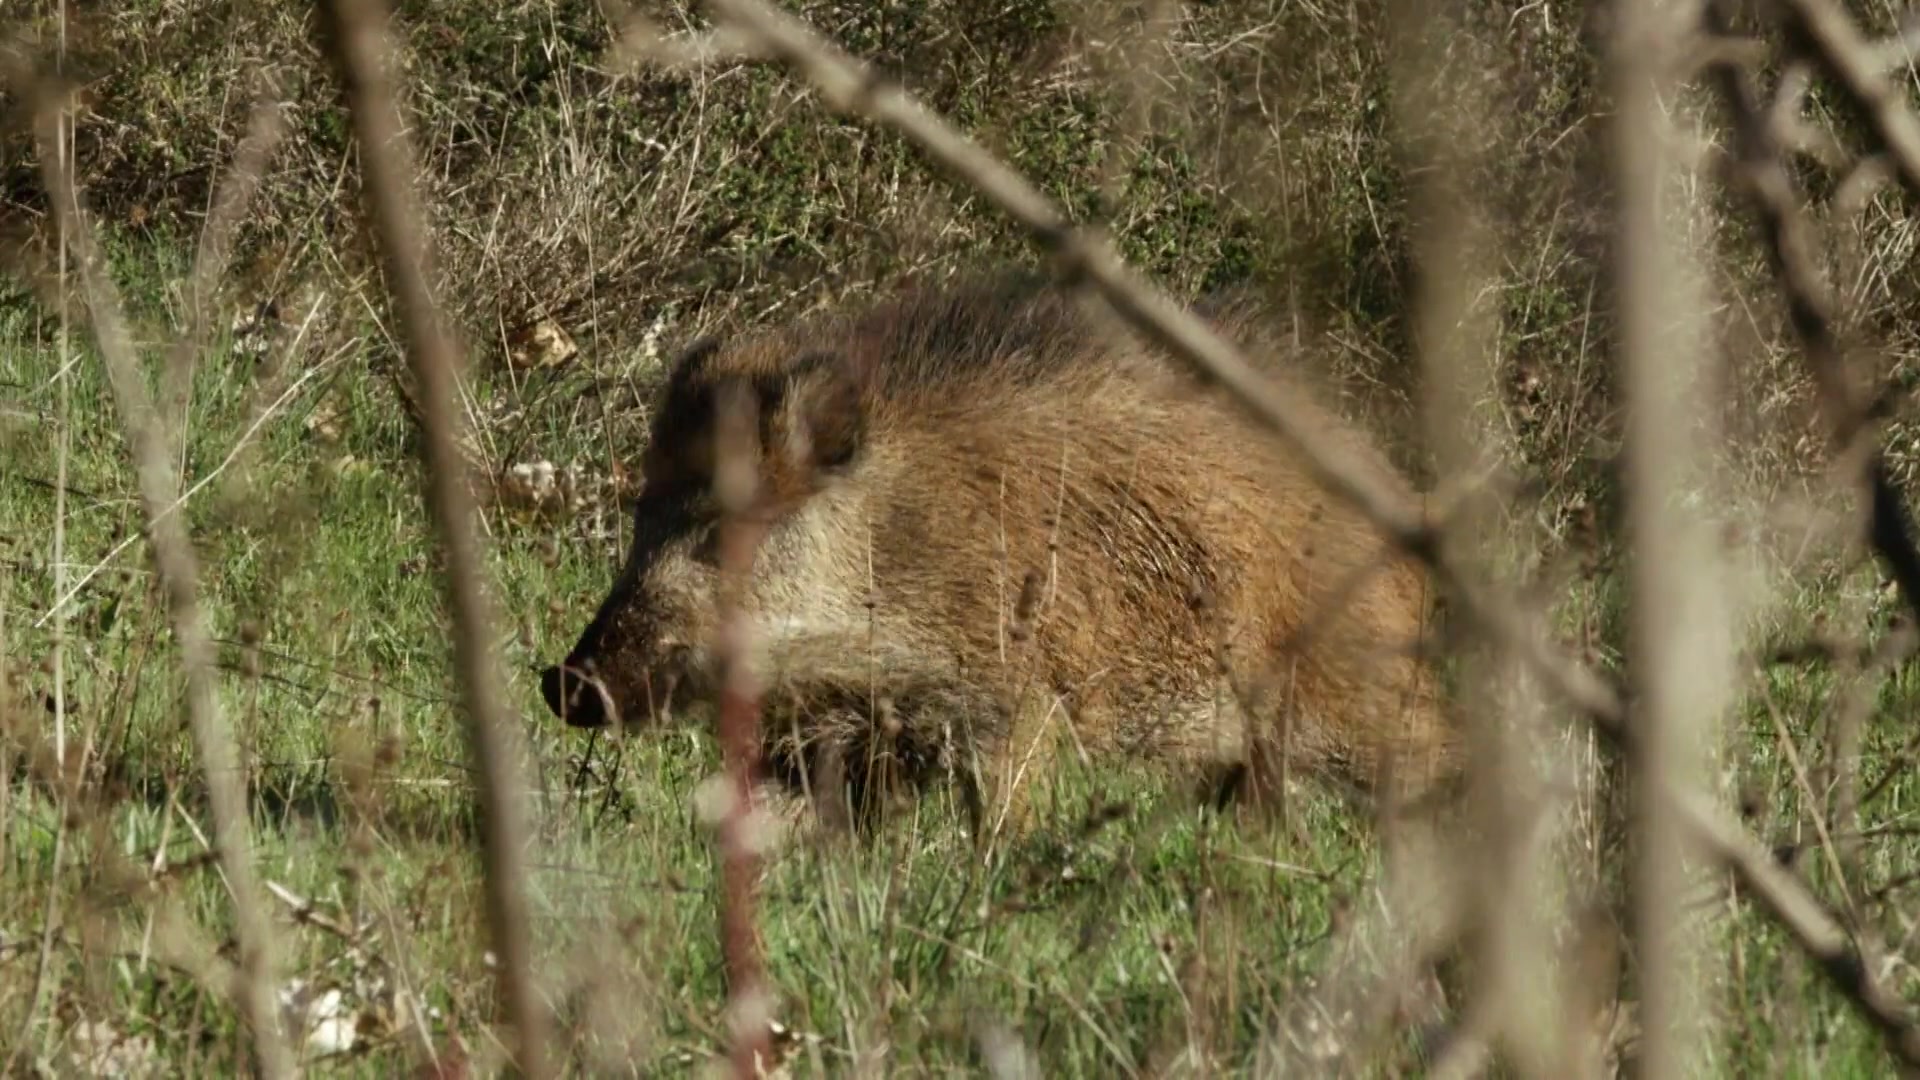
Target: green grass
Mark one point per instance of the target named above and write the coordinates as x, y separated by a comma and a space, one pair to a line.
635, 212
1099, 944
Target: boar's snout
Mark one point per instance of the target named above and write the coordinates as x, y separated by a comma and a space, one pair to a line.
590, 690
576, 696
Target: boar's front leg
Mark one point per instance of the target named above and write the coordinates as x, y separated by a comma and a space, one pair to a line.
861, 753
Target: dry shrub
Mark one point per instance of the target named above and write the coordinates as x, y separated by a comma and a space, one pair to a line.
1250, 147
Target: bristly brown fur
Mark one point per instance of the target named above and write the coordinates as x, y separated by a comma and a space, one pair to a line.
997, 519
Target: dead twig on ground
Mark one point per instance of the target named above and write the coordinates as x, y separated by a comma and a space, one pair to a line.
356, 33
851, 87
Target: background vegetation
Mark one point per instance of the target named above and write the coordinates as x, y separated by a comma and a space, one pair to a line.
587, 220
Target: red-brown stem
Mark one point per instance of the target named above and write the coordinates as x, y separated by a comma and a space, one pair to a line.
750, 1034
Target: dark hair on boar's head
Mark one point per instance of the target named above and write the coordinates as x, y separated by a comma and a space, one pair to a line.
992, 519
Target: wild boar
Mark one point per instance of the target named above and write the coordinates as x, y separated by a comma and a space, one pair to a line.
995, 525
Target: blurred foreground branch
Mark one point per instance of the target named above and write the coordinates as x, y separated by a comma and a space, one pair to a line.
179, 571
1679, 644
851, 87
1514, 1006
356, 32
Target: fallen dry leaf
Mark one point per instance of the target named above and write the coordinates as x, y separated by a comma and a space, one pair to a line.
540, 345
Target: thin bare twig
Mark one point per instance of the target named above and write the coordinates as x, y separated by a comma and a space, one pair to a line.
356, 32
63, 128
1804, 783
63, 145
642, 39
851, 87
1853, 703
266, 126
179, 573
49, 931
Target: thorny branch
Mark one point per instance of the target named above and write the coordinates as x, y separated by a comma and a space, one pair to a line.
356, 32
851, 87
1850, 58
1759, 150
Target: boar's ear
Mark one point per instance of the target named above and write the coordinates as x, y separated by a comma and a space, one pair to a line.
692, 358
824, 410
683, 414
682, 397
